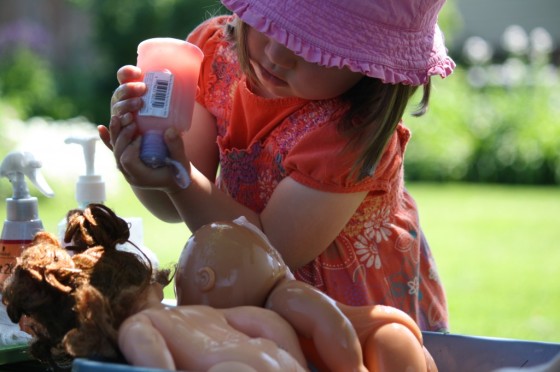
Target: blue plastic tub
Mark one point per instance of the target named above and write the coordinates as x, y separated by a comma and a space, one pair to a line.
452, 353
457, 353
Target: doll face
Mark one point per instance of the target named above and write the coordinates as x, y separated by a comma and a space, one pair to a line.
225, 265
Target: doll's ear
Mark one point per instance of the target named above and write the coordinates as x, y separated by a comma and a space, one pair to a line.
205, 279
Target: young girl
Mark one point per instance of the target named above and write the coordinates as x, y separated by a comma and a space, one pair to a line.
299, 108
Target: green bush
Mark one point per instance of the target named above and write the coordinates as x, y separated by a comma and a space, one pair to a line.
28, 84
494, 134
118, 28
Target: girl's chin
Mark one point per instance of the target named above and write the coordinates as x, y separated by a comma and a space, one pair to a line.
264, 91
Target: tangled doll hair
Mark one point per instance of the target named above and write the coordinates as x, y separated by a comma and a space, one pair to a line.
75, 298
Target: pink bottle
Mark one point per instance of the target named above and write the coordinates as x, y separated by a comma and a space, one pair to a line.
170, 70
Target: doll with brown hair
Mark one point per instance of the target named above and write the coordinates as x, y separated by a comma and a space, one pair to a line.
232, 263
99, 302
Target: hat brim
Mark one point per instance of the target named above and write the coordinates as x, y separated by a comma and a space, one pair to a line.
395, 56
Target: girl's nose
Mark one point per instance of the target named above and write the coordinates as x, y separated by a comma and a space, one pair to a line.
279, 55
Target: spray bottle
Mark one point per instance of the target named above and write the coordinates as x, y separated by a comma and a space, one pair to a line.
22, 215
90, 188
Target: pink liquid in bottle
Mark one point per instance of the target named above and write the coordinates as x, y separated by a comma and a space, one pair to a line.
170, 69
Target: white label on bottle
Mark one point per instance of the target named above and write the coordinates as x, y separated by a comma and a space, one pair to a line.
158, 95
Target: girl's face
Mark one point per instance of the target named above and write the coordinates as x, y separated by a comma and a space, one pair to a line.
283, 74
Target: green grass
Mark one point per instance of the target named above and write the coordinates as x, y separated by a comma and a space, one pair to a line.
498, 252
497, 248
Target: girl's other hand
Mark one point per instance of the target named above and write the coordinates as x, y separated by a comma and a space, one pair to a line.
125, 101
123, 139
127, 97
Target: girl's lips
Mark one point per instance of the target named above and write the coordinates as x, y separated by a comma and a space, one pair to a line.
271, 78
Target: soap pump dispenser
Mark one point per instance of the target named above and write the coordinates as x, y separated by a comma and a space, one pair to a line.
22, 215
90, 187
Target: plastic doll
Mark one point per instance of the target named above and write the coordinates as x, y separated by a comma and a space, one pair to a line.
104, 303
227, 264
298, 126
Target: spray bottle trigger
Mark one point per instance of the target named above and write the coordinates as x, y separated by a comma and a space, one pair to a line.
18, 164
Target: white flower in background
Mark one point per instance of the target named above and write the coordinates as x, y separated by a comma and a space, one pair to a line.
514, 72
477, 50
541, 41
515, 40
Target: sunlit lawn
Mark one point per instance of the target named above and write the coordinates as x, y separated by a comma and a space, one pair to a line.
497, 247
498, 251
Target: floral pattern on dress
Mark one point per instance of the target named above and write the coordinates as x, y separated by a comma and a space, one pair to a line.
367, 250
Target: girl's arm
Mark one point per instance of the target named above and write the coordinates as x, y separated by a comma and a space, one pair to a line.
299, 221
200, 143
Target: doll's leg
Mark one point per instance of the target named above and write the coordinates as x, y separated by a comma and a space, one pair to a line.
393, 347
390, 339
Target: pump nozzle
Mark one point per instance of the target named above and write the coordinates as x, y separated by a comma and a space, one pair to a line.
90, 187
88, 147
19, 164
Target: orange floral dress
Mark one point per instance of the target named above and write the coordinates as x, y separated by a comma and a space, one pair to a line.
381, 256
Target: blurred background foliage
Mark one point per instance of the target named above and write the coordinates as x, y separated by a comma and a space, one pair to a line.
496, 119
36, 87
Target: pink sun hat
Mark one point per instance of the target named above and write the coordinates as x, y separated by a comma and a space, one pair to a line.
397, 41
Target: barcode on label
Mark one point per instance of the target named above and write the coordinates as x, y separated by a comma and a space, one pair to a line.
159, 86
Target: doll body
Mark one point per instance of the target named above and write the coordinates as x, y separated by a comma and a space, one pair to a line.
334, 336
203, 338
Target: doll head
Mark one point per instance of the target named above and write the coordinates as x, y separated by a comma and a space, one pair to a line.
75, 298
227, 264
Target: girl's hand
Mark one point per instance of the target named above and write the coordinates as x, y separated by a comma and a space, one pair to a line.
127, 97
123, 137
125, 101
125, 143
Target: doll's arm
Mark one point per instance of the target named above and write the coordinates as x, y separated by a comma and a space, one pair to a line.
315, 316
259, 322
143, 345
